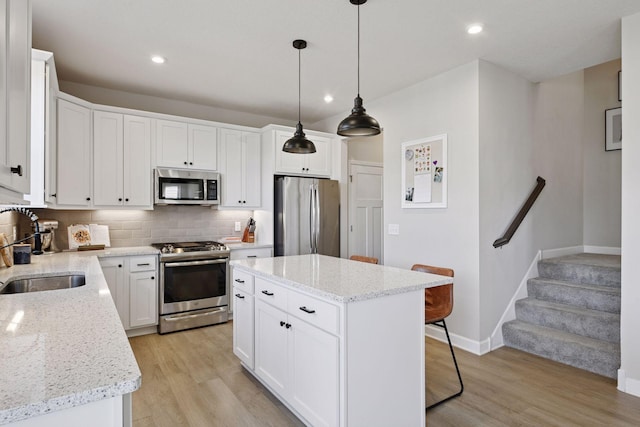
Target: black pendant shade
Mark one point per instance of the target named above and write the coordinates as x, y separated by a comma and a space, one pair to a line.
299, 144
358, 123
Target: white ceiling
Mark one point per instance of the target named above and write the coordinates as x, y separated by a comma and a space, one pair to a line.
238, 55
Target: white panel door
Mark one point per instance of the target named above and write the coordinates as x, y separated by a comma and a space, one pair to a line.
319, 163
243, 326
172, 144
114, 273
203, 147
232, 179
251, 170
143, 299
137, 162
365, 211
271, 346
287, 163
107, 155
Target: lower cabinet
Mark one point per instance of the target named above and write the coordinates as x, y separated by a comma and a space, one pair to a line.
134, 287
296, 359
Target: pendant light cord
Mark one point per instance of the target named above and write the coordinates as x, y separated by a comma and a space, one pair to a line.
358, 49
299, 83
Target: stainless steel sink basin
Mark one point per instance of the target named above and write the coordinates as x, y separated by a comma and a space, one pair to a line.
37, 284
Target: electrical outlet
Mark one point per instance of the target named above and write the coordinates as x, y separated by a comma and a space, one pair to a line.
238, 226
394, 229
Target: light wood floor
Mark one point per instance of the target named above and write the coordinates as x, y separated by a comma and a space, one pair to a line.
192, 378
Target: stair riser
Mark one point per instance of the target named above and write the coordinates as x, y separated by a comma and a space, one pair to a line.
597, 361
597, 327
578, 273
584, 298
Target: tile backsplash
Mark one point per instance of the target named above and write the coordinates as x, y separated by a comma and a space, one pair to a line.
141, 228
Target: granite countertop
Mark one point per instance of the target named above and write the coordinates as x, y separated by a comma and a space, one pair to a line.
339, 279
61, 348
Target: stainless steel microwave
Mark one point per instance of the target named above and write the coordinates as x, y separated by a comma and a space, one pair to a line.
186, 187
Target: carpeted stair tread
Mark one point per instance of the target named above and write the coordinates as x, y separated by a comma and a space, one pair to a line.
581, 321
603, 298
593, 355
594, 269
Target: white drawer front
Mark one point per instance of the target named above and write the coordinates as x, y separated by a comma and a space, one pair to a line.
250, 253
322, 314
142, 263
272, 293
243, 280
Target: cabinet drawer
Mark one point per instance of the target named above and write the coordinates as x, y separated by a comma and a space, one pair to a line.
322, 314
250, 253
272, 293
243, 280
142, 263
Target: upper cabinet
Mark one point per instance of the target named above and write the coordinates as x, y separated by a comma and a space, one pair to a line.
15, 110
186, 145
241, 169
316, 164
74, 142
122, 160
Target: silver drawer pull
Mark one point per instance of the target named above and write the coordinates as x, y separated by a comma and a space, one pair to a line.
240, 296
306, 310
239, 281
267, 293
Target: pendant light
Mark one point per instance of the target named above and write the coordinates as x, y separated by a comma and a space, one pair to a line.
299, 144
358, 123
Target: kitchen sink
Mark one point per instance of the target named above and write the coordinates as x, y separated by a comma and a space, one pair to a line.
48, 283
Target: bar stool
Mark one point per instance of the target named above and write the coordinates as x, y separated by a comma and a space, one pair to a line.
438, 304
369, 259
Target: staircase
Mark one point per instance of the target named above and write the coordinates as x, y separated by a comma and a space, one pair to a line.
572, 313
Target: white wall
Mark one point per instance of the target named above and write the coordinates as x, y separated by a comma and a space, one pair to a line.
367, 149
118, 98
602, 176
629, 378
506, 177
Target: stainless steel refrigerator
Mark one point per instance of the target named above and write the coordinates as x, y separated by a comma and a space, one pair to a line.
306, 216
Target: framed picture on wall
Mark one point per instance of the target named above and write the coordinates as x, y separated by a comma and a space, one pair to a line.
424, 173
613, 129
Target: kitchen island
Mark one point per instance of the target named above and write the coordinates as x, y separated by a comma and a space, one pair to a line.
64, 356
340, 342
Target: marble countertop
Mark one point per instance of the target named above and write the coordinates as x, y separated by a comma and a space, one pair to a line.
339, 279
61, 348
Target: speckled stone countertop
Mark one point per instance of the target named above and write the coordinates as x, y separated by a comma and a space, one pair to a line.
61, 348
339, 279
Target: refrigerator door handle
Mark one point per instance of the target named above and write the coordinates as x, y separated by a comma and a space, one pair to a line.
312, 214
317, 224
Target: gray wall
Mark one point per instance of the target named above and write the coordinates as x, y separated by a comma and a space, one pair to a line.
602, 169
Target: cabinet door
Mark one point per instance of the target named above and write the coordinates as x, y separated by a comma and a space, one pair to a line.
314, 373
319, 163
251, 170
203, 147
113, 271
143, 299
232, 180
107, 155
172, 144
243, 326
137, 162
271, 346
287, 163
74, 155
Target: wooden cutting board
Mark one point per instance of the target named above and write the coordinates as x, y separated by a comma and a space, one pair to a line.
5, 252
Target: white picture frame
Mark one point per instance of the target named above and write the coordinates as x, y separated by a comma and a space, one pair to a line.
424, 173
613, 129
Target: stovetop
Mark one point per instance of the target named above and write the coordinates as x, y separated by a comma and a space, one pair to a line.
192, 249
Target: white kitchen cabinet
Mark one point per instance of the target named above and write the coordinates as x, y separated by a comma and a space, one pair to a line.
15, 93
186, 145
134, 288
243, 321
241, 181
74, 166
122, 160
314, 164
243, 253
298, 360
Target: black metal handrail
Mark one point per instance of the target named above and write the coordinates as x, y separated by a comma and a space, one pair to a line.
523, 212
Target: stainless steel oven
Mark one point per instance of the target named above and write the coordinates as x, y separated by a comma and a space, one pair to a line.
194, 285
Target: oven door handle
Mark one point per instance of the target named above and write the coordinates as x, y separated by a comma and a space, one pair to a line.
176, 317
192, 263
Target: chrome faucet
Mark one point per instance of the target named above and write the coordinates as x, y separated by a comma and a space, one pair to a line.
37, 242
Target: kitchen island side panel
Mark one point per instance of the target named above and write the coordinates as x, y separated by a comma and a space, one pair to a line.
385, 361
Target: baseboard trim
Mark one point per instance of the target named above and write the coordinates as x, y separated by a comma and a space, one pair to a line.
628, 385
476, 347
142, 331
605, 250
496, 340
552, 253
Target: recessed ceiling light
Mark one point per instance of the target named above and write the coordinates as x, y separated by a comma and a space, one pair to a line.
474, 29
328, 98
158, 59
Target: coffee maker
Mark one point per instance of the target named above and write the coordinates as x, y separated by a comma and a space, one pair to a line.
47, 234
